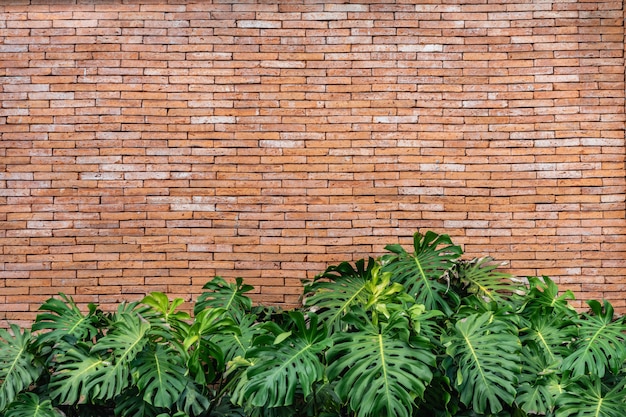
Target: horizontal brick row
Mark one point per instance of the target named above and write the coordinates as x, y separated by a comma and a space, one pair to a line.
150, 146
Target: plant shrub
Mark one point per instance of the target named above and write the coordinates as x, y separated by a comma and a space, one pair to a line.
421, 332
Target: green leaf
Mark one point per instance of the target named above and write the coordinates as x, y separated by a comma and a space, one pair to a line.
601, 345
486, 355
206, 359
423, 272
130, 404
543, 297
230, 297
30, 405
539, 382
332, 294
71, 382
380, 370
589, 397
120, 346
161, 375
63, 318
481, 277
17, 367
280, 369
167, 315
233, 344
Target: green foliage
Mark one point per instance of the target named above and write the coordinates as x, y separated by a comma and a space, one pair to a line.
28, 404
485, 353
283, 362
381, 369
411, 333
17, 367
423, 272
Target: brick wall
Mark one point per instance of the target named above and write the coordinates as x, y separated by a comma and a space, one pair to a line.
151, 145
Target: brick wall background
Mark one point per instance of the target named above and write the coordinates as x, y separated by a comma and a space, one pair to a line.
151, 145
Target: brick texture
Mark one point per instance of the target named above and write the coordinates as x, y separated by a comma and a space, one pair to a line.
152, 145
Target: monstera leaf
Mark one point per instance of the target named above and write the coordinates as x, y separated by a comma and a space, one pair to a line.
161, 375
589, 397
332, 294
63, 318
71, 383
422, 273
485, 351
230, 297
480, 276
30, 405
17, 367
601, 344
380, 370
544, 297
120, 347
283, 363
164, 315
205, 357
102, 372
548, 336
237, 343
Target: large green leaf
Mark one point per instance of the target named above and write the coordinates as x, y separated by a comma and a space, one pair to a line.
30, 405
539, 383
548, 336
165, 315
103, 371
332, 294
543, 297
380, 370
589, 397
205, 358
17, 367
120, 347
423, 272
161, 375
481, 277
485, 351
235, 344
279, 368
71, 382
601, 345
62, 318
229, 296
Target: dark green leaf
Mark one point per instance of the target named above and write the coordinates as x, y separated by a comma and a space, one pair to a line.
486, 354
17, 367
423, 272
30, 405
380, 370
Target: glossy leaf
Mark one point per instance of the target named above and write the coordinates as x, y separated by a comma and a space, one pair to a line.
601, 344
30, 405
380, 370
589, 397
61, 318
17, 366
332, 294
161, 376
279, 370
422, 273
486, 355
481, 277
228, 296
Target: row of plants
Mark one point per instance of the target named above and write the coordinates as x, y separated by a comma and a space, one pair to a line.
412, 333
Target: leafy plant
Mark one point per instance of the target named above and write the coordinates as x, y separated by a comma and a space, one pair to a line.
410, 333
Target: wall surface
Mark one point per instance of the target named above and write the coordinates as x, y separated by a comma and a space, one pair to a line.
152, 145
